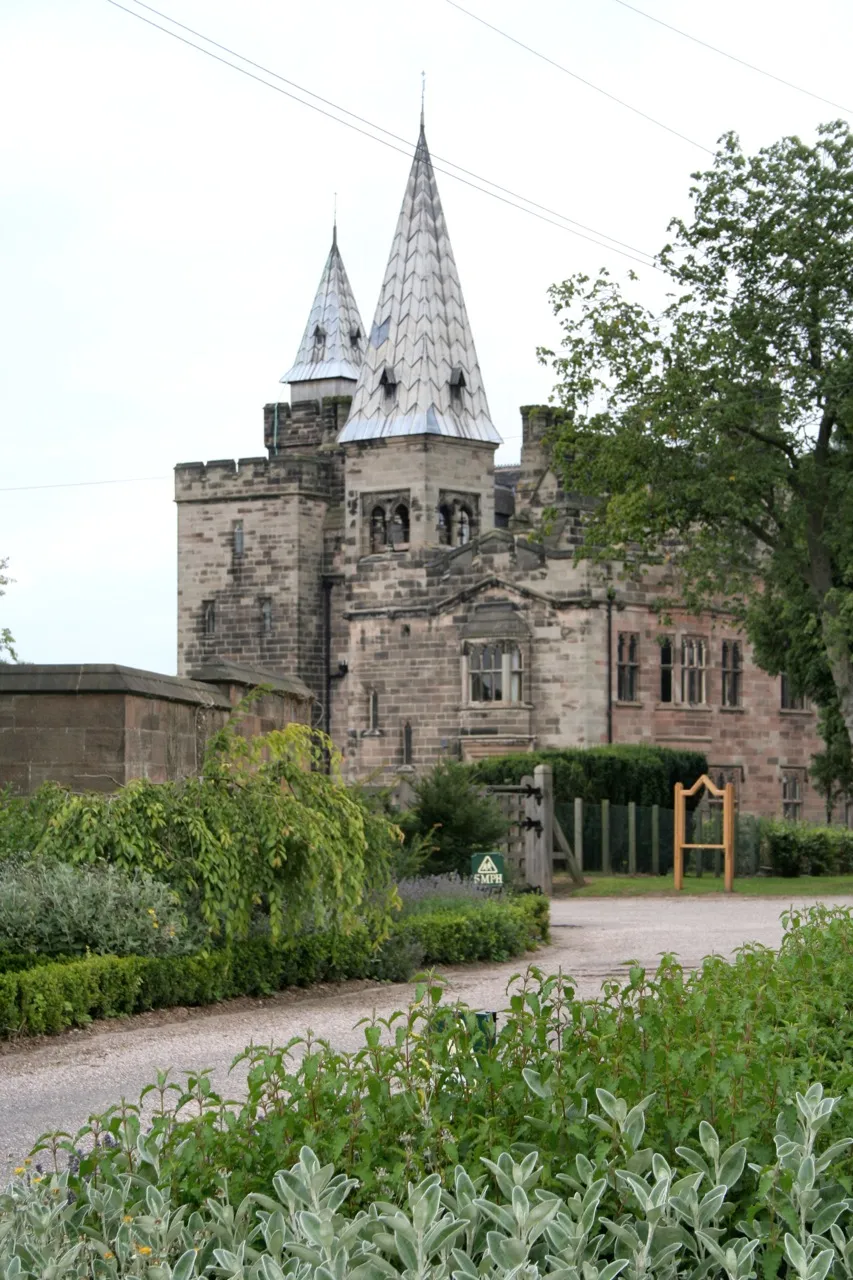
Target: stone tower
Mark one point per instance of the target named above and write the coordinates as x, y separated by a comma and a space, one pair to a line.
256, 538
419, 440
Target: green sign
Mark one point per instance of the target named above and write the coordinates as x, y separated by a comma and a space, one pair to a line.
487, 868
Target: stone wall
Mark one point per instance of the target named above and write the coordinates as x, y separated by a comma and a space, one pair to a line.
94, 727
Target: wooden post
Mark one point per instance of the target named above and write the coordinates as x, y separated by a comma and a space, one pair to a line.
655, 840
729, 836
543, 778
605, 837
579, 833
632, 838
678, 838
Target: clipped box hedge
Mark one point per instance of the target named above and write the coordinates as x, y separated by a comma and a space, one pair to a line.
644, 774
49, 997
796, 848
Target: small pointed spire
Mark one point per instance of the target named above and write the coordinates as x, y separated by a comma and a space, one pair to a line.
333, 343
420, 373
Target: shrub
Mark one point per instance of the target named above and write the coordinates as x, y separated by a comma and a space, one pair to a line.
632, 1213
644, 774
264, 827
795, 848
51, 908
727, 1045
452, 811
49, 997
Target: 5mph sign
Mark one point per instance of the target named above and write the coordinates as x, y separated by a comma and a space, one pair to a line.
487, 868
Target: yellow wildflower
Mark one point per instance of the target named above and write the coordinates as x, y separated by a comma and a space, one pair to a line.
108, 1255
127, 1218
37, 1179
28, 1161
144, 1248
20, 1169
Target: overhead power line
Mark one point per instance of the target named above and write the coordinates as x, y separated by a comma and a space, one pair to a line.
378, 127
734, 58
79, 484
626, 250
566, 71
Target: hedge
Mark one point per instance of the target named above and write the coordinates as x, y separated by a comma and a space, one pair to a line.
51, 996
794, 848
644, 774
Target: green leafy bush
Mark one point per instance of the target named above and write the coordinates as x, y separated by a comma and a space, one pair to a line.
795, 848
51, 908
264, 828
636, 1214
49, 997
643, 774
728, 1045
454, 815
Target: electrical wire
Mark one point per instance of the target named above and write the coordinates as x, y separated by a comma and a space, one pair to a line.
734, 58
566, 71
79, 484
380, 129
634, 254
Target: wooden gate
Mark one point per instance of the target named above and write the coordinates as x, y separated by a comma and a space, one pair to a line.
529, 842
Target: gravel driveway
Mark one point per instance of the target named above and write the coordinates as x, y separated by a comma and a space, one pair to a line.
59, 1082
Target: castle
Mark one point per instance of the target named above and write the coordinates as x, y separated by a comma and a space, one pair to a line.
377, 554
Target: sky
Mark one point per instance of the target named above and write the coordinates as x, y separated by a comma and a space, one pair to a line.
164, 221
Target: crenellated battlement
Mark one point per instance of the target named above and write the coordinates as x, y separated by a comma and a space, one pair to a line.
304, 425
227, 480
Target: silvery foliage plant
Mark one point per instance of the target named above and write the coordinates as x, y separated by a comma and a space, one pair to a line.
632, 1216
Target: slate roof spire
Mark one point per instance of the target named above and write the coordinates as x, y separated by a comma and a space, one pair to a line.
420, 374
333, 343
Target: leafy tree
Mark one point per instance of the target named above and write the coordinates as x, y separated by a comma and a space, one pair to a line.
7, 643
455, 815
720, 431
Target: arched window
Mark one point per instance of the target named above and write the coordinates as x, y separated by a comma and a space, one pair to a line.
463, 528
378, 530
445, 526
400, 526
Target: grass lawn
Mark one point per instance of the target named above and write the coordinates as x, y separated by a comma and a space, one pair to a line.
600, 886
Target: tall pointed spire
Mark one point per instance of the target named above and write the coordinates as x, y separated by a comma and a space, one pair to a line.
333, 343
420, 373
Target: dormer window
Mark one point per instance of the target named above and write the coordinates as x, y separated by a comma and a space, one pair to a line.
355, 337
319, 336
457, 385
388, 383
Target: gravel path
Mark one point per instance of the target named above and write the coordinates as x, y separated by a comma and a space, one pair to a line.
59, 1082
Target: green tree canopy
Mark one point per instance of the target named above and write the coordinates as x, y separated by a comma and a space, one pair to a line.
718, 433
7, 643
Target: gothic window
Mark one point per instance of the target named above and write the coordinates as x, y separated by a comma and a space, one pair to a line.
627, 666
373, 711
485, 673
666, 663
266, 615
388, 383
463, 528
238, 538
209, 617
789, 699
407, 742
400, 526
457, 386
495, 672
445, 526
378, 530
694, 651
732, 673
792, 793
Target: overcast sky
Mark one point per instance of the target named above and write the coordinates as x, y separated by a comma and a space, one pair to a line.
164, 221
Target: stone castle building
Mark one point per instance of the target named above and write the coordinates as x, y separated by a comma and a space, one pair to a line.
377, 553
